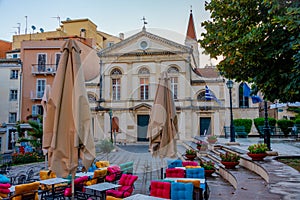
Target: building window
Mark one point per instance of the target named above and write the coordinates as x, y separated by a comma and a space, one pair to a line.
109, 44
14, 74
12, 118
144, 88
116, 84
40, 87
57, 58
201, 96
13, 95
37, 110
243, 101
42, 62
173, 73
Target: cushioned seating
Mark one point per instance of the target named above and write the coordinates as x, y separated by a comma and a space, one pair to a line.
101, 164
126, 188
182, 191
191, 167
78, 186
175, 173
160, 189
189, 163
174, 163
113, 173
92, 168
127, 168
4, 190
27, 190
195, 173
197, 189
99, 176
111, 198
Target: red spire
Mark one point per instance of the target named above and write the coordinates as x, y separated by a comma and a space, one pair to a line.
191, 33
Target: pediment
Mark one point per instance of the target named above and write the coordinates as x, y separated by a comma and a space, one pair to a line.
142, 106
144, 42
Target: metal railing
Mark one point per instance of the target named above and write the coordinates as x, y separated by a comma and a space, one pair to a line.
47, 69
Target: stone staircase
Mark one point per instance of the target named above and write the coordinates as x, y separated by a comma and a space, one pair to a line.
248, 177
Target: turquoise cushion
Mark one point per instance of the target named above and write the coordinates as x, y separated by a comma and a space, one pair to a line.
182, 191
4, 179
174, 163
195, 173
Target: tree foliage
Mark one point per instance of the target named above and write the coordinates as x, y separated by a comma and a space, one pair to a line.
258, 42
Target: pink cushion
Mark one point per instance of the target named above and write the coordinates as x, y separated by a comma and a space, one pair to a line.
77, 181
175, 173
4, 191
189, 163
4, 185
127, 179
112, 172
160, 189
118, 194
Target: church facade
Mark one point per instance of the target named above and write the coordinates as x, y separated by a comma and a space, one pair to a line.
122, 95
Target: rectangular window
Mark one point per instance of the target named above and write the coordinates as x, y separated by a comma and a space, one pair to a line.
12, 118
14, 74
174, 87
144, 88
42, 62
37, 110
57, 58
40, 87
13, 95
116, 89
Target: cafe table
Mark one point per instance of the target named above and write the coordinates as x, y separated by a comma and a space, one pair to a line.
102, 188
52, 182
80, 174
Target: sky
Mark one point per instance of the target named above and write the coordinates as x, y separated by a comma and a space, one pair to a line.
166, 18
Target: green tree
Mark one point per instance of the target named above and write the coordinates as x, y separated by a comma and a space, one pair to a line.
258, 42
36, 132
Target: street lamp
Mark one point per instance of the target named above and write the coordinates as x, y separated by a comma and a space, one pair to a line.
110, 119
267, 127
229, 84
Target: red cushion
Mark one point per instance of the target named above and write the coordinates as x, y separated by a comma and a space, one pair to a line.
175, 173
127, 179
160, 189
189, 163
112, 172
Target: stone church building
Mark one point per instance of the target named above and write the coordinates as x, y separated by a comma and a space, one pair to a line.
123, 94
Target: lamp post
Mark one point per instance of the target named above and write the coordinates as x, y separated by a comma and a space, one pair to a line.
267, 127
110, 119
229, 84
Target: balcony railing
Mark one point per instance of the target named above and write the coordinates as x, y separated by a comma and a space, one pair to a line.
36, 95
49, 69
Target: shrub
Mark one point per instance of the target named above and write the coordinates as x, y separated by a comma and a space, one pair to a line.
208, 165
261, 122
190, 152
230, 157
247, 123
284, 125
258, 148
28, 157
297, 121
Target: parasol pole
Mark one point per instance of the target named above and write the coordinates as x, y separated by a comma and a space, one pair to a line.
161, 169
72, 184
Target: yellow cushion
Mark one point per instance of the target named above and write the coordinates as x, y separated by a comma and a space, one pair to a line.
28, 187
101, 164
112, 198
97, 173
190, 167
2, 195
44, 175
196, 183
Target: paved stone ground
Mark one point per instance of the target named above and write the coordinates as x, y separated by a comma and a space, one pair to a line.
284, 181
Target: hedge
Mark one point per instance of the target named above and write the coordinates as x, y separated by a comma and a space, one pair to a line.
260, 121
247, 123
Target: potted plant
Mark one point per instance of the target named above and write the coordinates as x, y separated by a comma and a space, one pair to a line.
258, 151
190, 154
230, 160
202, 146
209, 167
212, 139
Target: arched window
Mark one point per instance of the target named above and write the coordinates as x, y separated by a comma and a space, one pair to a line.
116, 75
243, 101
144, 83
201, 96
173, 73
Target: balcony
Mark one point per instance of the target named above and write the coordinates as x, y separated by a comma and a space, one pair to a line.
34, 96
44, 69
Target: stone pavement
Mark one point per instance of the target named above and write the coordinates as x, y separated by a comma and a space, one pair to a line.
283, 182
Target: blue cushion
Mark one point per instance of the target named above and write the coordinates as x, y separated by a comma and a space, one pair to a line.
195, 173
4, 179
174, 163
182, 191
